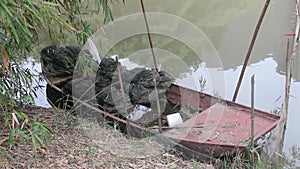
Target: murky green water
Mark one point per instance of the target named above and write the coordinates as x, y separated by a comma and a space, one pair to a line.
229, 25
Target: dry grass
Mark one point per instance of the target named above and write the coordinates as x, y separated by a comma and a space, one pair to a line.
79, 143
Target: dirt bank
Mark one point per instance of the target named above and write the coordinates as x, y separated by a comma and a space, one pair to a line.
78, 143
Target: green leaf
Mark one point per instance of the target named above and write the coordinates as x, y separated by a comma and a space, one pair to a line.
34, 12
44, 128
27, 99
24, 115
11, 138
8, 11
50, 3
22, 134
38, 140
34, 143
14, 32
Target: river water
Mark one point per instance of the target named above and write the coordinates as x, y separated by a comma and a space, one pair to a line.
228, 25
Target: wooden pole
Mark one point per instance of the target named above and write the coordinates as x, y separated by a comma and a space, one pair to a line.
155, 66
252, 119
149, 36
121, 86
287, 81
283, 118
123, 92
250, 49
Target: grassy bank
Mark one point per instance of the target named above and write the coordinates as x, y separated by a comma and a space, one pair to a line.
77, 143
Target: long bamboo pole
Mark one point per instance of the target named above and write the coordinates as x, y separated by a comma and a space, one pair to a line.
123, 92
250, 49
155, 66
252, 120
287, 81
121, 86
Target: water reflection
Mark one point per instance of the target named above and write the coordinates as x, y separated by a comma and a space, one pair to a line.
229, 25
269, 85
35, 68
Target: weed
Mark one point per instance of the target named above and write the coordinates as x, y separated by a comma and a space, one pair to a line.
23, 129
